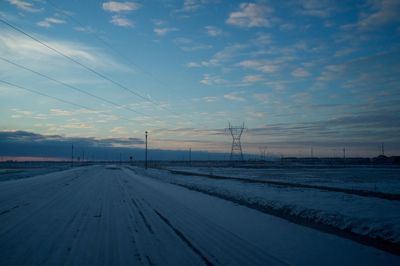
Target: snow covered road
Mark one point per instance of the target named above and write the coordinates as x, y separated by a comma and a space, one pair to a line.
110, 216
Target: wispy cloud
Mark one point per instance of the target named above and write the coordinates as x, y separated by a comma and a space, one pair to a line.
213, 31
256, 114
50, 21
300, 73
121, 8
121, 21
161, 31
260, 65
234, 96
383, 12
252, 78
251, 15
25, 6
212, 80
223, 56
114, 6
210, 99
316, 8
17, 47
191, 5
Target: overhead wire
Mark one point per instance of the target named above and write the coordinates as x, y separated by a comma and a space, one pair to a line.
97, 72
111, 48
81, 64
73, 87
61, 100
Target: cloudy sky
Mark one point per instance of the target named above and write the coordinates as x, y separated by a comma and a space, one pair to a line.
299, 74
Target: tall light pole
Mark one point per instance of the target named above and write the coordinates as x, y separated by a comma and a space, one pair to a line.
145, 163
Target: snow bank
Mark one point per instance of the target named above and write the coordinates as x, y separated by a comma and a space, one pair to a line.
372, 217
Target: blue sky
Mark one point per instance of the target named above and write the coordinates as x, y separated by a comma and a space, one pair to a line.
300, 74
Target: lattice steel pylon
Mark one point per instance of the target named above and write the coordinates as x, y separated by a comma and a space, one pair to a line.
236, 133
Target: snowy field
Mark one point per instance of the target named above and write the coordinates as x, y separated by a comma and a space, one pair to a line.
111, 215
378, 178
366, 216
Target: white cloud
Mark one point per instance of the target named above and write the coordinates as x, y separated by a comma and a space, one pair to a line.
225, 55
268, 68
78, 126
300, 73
49, 22
316, 8
18, 47
256, 114
212, 80
165, 30
191, 5
25, 6
60, 112
250, 15
252, 78
234, 96
263, 66
119, 130
386, 11
113, 6
121, 8
213, 31
210, 99
345, 51
193, 64
250, 64
121, 21
331, 72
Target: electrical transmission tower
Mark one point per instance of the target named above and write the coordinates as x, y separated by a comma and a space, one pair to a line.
236, 132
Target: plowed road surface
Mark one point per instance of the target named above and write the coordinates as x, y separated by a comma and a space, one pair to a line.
100, 215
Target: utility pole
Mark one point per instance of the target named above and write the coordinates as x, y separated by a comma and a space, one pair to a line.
145, 163
344, 153
383, 148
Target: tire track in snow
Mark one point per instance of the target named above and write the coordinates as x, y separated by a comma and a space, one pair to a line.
184, 239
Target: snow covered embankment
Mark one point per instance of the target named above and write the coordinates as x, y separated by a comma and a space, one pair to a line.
377, 219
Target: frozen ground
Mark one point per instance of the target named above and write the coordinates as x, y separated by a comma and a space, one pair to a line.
378, 178
110, 216
369, 217
9, 171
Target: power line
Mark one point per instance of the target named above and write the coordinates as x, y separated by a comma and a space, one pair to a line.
92, 70
60, 100
82, 65
72, 87
47, 95
115, 51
